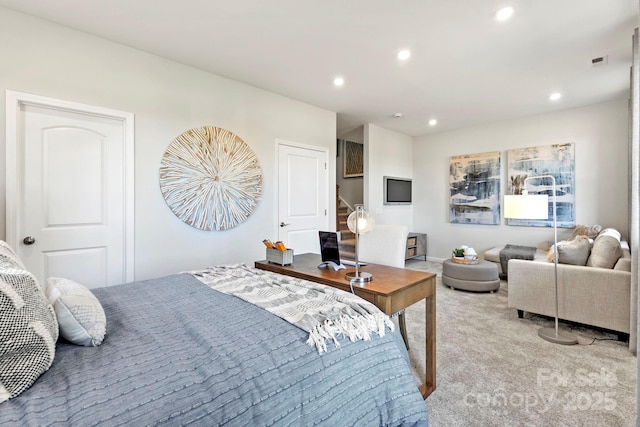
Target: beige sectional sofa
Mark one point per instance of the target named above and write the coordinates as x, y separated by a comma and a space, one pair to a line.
590, 294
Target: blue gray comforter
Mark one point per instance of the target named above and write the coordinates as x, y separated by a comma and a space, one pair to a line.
177, 352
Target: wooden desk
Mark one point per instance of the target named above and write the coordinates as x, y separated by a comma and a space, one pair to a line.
391, 290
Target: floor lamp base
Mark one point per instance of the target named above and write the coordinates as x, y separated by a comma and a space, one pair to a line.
560, 337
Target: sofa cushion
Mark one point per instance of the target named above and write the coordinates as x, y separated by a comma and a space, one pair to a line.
606, 250
624, 263
574, 252
493, 254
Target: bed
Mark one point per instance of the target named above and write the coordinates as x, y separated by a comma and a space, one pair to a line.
177, 352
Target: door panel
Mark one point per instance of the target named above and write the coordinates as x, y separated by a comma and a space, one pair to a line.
303, 196
73, 199
89, 266
84, 172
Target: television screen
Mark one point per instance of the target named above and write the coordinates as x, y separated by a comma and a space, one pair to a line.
397, 191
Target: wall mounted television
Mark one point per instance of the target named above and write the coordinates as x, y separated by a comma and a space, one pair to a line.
397, 191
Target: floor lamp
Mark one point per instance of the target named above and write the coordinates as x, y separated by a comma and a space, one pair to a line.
359, 222
537, 207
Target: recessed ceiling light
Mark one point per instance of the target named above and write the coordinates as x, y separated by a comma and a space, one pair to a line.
338, 81
504, 13
555, 96
403, 55
397, 115
433, 122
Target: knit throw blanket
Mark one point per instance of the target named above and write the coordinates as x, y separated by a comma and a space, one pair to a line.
326, 313
514, 252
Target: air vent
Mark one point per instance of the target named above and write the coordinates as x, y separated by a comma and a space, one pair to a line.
600, 60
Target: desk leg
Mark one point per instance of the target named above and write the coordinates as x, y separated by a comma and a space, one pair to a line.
403, 329
430, 346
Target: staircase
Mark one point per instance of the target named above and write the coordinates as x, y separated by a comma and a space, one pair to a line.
347, 243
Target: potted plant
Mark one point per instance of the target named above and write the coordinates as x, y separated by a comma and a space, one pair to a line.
458, 252
464, 255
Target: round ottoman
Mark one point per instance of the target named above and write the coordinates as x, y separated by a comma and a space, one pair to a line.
480, 277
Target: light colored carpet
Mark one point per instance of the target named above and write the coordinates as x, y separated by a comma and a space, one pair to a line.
494, 370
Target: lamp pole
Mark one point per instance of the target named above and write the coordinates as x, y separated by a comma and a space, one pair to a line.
359, 211
553, 334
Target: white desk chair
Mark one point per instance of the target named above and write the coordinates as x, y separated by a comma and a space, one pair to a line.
386, 244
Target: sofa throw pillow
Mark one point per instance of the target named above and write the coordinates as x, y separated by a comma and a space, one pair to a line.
80, 315
605, 252
611, 232
28, 332
590, 231
574, 252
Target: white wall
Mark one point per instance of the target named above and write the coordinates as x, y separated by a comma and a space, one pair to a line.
387, 153
351, 189
600, 134
167, 99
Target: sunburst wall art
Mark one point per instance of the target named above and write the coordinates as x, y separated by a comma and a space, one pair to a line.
210, 178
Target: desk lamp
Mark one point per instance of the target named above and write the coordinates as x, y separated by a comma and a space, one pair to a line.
359, 222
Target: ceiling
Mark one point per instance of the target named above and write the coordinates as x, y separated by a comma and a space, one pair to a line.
465, 68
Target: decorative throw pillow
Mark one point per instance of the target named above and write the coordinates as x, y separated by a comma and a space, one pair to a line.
28, 332
80, 315
611, 232
574, 252
590, 231
552, 249
8, 258
606, 249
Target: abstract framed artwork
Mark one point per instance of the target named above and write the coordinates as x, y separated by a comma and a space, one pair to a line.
474, 189
557, 160
210, 178
353, 157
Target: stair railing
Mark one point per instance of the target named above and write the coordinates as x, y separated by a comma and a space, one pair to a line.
344, 202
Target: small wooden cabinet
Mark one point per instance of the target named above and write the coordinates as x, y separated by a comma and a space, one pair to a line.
416, 245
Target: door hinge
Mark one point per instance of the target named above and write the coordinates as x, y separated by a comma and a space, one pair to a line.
325, 212
325, 165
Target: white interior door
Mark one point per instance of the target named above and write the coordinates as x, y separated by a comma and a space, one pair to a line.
71, 208
303, 192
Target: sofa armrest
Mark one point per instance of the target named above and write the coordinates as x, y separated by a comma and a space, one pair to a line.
593, 296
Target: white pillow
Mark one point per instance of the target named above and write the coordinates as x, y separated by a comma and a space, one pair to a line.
611, 232
80, 315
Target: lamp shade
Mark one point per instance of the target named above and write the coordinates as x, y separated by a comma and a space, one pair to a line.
535, 206
359, 221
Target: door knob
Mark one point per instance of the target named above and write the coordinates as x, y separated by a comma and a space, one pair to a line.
28, 240
282, 224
